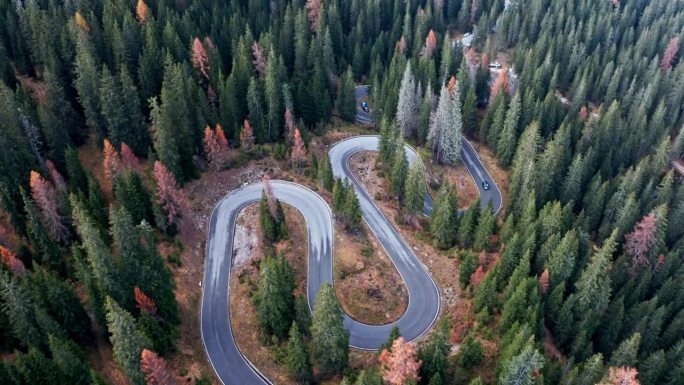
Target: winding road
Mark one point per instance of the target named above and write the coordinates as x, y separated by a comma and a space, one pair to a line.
231, 366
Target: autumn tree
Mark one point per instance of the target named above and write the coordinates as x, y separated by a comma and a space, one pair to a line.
142, 12
259, 59
670, 54
215, 147
128, 159
143, 302
500, 84
111, 161
169, 196
246, 136
200, 60
314, 8
298, 155
622, 375
9, 259
639, 242
155, 369
400, 364
45, 197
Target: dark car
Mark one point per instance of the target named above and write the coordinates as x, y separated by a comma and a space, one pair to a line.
485, 185
364, 106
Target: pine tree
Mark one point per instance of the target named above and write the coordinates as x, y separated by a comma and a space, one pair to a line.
302, 314
45, 197
435, 354
131, 194
127, 341
446, 128
346, 97
274, 299
171, 121
87, 83
466, 227
416, 189
330, 340
394, 334
325, 174
471, 352
352, 209
505, 146
407, 106
523, 164
485, 229
520, 370
67, 356
399, 172
626, 353
444, 218
297, 361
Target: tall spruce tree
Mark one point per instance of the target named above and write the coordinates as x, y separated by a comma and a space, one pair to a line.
127, 340
274, 299
329, 338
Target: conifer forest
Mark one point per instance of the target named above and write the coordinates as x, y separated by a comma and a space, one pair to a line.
357, 192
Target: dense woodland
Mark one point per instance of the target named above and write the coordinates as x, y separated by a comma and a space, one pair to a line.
587, 122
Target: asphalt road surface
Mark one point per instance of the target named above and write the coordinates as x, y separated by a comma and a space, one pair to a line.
231, 366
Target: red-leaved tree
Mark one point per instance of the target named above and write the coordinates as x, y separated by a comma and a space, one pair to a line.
451, 86
314, 8
200, 59
10, 260
55, 175
400, 365
290, 124
110, 160
299, 156
477, 276
156, 370
583, 113
246, 136
670, 54
45, 197
638, 243
142, 12
430, 45
216, 147
143, 302
501, 84
169, 196
621, 376
259, 59
401, 45
128, 158
544, 281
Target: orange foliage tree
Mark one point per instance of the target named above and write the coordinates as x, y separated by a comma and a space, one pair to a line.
670, 54
544, 281
215, 146
621, 376
314, 8
640, 241
259, 59
501, 84
143, 302
10, 260
128, 158
400, 364
81, 22
142, 12
246, 136
169, 196
299, 156
430, 45
45, 197
156, 370
200, 60
110, 160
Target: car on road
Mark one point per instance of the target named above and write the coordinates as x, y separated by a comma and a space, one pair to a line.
364, 106
485, 185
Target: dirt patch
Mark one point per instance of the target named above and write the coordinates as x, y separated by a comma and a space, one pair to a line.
246, 243
367, 284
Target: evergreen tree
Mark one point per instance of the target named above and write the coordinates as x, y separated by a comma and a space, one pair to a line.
407, 106
444, 218
466, 227
330, 341
127, 341
75, 172
346, 97
485, 229
132, 195
521, 368
297, 361
394, 334
434, 355
302, 314
505, 145
399, 172
325, 174
274, 300
416, 189
446, 127
471, 352
171, 120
